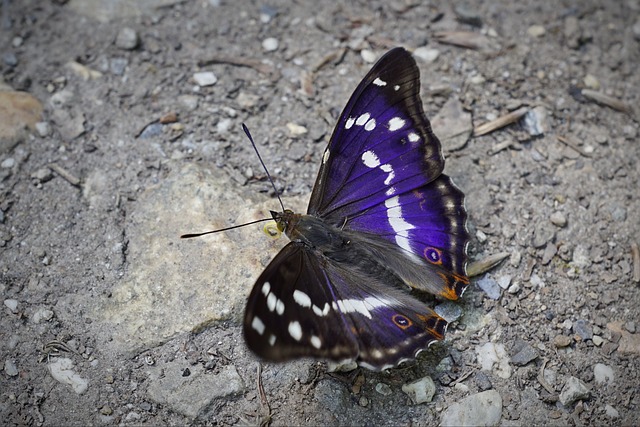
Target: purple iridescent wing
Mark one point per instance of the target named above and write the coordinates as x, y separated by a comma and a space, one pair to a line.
304, 307
382, 174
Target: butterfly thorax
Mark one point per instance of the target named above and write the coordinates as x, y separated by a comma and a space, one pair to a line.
310, 231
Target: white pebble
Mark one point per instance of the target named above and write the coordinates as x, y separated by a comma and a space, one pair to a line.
205, 78
8, 163
368, 56
270, 44
426, 54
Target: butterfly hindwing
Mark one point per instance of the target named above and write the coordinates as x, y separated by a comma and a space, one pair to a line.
299, 308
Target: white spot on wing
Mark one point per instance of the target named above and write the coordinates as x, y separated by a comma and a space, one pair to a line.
363, 119
271, 301
397, 222
325, 157
396, 87
301, 298
379, 82
349, 123
371, 125
272, 340
280, 307
321, 312
370, 159
295, 330
257, 325
315, 341
414, 137
391, 174
396, 123
266, 287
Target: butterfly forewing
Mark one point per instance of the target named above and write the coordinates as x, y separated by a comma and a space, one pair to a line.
382, 144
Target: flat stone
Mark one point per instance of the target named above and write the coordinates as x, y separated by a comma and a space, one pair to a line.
158, 299
10, 368
490, 287
583, 329
493, 357
525, 354
542, 234
483, 409
62, 371
536, 31
191, 395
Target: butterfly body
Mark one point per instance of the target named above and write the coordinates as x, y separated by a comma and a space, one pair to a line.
382, 221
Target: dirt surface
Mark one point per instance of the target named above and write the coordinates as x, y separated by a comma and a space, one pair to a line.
552, 332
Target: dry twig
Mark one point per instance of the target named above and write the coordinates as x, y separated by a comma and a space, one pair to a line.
500, 122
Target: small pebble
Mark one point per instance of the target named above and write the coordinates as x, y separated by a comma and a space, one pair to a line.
117, 66
426, 54
270, 44
420, 391
597, 340
583, 329
368, 56
205, 78
591, 82
383, 389
17, 41
536, 31
11, 304
127, 39
558, 218
43, 129
10, 368
42, 175
611, 411
561, 341
296, 130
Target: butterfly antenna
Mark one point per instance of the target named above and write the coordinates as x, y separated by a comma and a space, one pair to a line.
190, 235
246, 131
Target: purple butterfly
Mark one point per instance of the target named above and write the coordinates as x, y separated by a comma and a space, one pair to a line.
382, 220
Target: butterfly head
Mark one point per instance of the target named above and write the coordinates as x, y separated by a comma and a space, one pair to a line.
284, 220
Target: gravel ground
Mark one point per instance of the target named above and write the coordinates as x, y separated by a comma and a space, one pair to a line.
120, 130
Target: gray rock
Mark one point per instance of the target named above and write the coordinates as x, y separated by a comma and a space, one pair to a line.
10, 368
189, 102
483, 408
42, 314
127, 39
542, 234
11, 304
611, 411
43, 129
573, 390
193, 394
583, 329
154, 129
490, 287
482, 380
420, 391
10, 59
449, 310
117, 66
549, 252
603, 374
524, 353
536, 121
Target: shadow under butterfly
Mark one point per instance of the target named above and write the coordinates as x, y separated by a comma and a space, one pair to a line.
382, 221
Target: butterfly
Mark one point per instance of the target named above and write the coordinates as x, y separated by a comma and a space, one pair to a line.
382, 221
